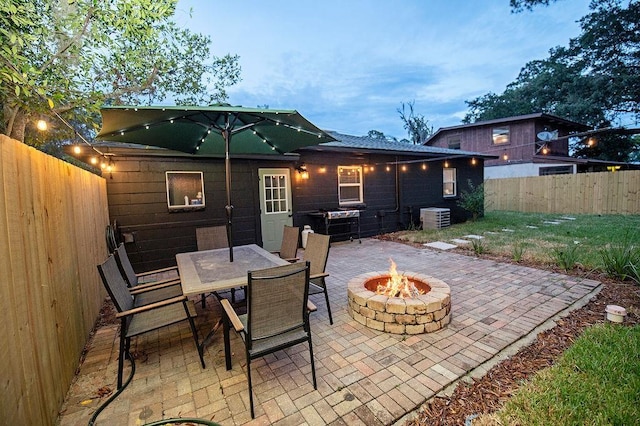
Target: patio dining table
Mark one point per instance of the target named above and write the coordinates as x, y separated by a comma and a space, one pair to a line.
210, 271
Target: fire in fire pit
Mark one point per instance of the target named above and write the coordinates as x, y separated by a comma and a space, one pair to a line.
407, 303
397, 285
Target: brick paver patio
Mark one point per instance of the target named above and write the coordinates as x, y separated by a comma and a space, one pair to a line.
365, 377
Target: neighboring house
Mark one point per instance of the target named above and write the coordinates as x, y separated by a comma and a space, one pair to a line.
526, 145
387, 182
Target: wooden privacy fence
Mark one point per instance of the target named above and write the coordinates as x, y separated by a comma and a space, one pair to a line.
583, 193
52, 221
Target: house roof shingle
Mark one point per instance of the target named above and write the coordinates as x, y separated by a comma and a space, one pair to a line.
374, 145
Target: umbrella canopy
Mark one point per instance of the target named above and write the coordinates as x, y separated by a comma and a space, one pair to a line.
220, 129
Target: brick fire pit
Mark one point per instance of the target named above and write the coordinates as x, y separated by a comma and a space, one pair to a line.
424, 313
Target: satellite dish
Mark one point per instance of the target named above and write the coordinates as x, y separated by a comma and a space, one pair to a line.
545, 136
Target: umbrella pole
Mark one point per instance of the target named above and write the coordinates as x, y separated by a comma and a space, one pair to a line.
226, 134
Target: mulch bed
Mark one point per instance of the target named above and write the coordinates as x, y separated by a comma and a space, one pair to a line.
488, 393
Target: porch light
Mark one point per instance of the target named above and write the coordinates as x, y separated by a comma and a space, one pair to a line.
545, 150
505, 156
591, 142
404, 168
302, 171
77, 150
446, 164
424, 166
473, 161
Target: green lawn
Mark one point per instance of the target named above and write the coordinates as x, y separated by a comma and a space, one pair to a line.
526, 235
595, 382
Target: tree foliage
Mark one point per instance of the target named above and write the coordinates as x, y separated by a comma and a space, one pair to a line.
595, 80
71, 57
415, 124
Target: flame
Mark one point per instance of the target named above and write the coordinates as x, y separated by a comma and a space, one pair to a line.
398, 285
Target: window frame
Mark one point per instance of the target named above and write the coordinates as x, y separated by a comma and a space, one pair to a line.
359, 185
273, 200
453, 182
454, 142
181, 180
506, 130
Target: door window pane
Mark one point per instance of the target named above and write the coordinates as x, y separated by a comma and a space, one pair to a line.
275, 194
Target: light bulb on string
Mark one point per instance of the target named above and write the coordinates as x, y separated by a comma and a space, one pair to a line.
41, 125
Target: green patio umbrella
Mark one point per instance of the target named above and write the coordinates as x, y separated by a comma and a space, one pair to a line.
219, 129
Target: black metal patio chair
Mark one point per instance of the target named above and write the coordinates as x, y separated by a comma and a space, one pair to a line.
138, 318
277, 315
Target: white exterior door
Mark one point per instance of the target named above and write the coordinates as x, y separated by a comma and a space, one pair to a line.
275, 206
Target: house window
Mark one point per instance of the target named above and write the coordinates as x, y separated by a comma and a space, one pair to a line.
556, 170
454, 143
349, 185
185, 191
500, 135
449, 182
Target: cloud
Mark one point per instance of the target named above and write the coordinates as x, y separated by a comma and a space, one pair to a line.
347, 66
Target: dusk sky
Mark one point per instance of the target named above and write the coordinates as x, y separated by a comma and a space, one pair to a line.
348, 65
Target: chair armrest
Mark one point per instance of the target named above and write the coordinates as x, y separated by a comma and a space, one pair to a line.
320, 275
154, 285
233, 317
311, 307
151, 306
156, 271
146, 288
288, 259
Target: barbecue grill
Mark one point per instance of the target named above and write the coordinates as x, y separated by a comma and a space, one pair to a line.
345, 218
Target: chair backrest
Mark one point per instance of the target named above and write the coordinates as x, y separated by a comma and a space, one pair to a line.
111, 239
115, 284
317, 252
212, 237
122, 259
289, 247
277, 300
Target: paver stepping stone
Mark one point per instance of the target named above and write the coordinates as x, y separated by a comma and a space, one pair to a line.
459, 241
507, 230
552, 222
474, 237
492, 233
532, 227
440, 245
568, 218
